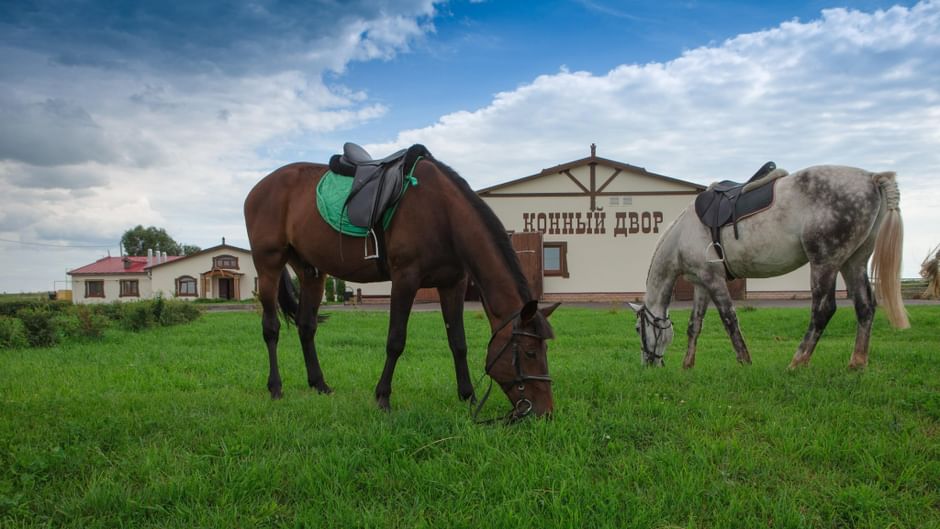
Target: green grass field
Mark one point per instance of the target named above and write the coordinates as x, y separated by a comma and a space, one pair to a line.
173, 427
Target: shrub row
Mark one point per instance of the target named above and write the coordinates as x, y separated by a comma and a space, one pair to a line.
39, 324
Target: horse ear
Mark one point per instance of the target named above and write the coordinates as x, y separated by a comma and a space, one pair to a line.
635, 307
528, 311
547, 311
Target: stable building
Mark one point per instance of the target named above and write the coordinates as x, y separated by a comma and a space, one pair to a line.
586, 230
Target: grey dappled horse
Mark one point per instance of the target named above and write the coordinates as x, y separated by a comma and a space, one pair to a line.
833, 217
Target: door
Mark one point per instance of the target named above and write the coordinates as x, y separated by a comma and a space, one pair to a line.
226, 288
528, 246
684, 290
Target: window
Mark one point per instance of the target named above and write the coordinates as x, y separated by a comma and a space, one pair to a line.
186, 286
94, 289
555, 258
225, 261
130, 288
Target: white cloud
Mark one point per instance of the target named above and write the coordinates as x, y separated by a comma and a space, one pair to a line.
105, 128
853, 88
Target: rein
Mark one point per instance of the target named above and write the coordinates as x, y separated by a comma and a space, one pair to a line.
658, 327
522, 406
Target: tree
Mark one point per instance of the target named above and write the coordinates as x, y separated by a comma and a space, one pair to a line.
189, 249
137, 240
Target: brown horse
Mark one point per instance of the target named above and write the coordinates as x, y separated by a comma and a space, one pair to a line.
441, 234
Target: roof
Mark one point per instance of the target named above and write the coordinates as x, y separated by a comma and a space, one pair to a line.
116, 265
222, 246
593, 159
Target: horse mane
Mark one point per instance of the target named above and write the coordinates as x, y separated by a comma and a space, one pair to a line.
493, 226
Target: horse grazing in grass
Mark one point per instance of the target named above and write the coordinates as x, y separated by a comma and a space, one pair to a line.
830, 216
441, 234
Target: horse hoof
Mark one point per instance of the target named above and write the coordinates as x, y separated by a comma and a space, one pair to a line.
384, 404
276, 394
857, 366
322, 388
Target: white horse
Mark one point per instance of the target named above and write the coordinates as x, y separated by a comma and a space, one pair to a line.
830, 216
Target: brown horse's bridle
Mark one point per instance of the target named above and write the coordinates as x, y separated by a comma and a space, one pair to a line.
523, 406
658, 327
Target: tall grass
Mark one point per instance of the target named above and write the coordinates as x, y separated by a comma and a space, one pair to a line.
172, 427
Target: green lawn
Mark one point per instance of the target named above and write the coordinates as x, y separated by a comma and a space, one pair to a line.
173, 427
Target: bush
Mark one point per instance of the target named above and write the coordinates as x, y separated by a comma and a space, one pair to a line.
13, 307
39, 324
176, 312
137, 316
83, 322
12, 333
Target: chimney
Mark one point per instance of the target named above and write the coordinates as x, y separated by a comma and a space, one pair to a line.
593, 150
150, 257
163, 259
127, 262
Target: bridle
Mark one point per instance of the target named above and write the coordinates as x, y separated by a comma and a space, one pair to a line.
659, 326
522, 406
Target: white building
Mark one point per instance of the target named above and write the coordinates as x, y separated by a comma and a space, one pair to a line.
220, 272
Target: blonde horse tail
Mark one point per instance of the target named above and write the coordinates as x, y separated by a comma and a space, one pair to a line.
886, 260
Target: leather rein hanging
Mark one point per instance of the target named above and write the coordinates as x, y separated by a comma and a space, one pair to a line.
523, 406
658, 327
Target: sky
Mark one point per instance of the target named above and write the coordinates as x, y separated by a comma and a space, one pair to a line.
119, 113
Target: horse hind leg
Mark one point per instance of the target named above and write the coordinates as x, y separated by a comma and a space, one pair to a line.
823, 286
855, 274
312, 284
699, 306
268, 283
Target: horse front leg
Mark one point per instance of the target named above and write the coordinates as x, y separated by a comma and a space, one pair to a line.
403, 296
311, 293
699, 306
452, 302
718, 289
823, 284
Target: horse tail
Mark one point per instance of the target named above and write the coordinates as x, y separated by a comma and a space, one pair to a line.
287, 297
886, 261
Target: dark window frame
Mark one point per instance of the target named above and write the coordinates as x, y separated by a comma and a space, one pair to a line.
217, 262
127, 291
186, 279
94, 293
562, 270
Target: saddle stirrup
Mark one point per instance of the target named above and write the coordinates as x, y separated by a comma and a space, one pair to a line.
719, 251
375, 242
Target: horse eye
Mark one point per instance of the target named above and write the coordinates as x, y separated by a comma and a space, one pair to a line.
530, 354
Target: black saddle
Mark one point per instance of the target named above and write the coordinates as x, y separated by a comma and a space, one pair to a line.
727, 202
377, 184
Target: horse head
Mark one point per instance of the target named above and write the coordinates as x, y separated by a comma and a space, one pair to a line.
517, 360
655, 334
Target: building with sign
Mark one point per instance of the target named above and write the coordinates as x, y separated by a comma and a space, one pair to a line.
597, 222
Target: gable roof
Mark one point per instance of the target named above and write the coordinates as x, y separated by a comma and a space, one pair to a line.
593, 159
222, 246
118, 265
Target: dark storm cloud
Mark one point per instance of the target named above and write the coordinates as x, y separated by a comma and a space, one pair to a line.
53, 132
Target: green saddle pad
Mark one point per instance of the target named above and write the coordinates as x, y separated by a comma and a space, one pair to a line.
332, 192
